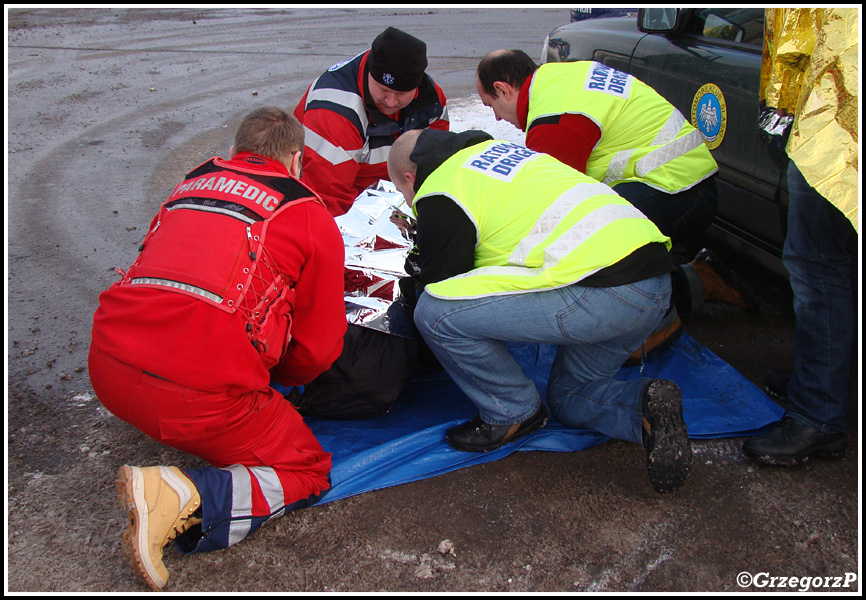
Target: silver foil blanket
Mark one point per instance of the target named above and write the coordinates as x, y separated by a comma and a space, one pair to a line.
377, 233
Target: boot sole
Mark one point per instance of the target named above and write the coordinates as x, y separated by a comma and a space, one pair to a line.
130, 496
670, 460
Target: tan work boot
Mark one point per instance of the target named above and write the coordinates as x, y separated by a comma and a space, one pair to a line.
722, 284
661, 338
160, 502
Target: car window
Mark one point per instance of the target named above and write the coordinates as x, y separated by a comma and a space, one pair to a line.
743, 25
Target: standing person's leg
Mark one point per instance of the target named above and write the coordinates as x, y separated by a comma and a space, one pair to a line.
267, 463
818, 257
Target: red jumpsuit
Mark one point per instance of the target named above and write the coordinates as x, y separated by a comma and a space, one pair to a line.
189, 362
348, 139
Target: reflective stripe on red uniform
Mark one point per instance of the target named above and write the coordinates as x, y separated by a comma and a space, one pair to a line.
210, 242
347, 141
257, 496
179, 365
210, 347
267, 462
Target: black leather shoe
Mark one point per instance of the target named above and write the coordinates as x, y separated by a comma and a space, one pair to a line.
665, 438
790, 442
478, 436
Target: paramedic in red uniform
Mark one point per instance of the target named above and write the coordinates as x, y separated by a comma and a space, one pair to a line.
355, 111
239, 282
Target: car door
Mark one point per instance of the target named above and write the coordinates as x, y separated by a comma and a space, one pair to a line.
709, 68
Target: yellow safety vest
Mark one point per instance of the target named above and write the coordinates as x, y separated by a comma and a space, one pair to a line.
540, 224
643, 137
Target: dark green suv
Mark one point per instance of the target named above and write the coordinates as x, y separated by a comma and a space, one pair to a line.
706, 62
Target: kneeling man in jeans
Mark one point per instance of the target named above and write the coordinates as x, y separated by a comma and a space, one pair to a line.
516, 246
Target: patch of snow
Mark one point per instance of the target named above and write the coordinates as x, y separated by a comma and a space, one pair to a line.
470, 113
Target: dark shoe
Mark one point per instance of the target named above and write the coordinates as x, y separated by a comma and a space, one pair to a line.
790, 442
658, 340
478, 436
776, 384
722, 284
669, 452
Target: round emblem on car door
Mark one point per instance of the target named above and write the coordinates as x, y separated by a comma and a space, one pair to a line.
710, 114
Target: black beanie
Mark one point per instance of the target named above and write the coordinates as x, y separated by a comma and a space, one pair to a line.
397, 60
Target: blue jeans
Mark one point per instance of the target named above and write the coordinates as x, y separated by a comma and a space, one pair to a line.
819, 253
683, 217
596, 329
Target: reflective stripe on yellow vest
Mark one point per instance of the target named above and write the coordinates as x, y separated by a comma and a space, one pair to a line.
540, 224
643, 137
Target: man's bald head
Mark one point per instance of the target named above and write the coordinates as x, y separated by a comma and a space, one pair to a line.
401, 169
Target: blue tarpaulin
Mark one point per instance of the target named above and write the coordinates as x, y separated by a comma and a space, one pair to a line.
408, 443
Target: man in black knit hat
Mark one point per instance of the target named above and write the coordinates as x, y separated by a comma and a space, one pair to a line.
355, 111
352, 115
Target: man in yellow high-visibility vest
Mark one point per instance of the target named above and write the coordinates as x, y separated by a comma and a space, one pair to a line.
618, 130
513, 245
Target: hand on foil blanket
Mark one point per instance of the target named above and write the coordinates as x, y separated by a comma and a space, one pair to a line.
404, 222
